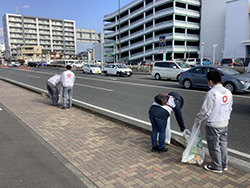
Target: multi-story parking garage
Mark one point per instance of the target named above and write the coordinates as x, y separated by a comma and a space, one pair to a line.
132, 32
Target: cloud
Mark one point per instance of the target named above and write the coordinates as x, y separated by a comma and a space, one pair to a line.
26, 6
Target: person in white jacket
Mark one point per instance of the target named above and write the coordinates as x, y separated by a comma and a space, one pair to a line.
52, 84
216, 111
67, 80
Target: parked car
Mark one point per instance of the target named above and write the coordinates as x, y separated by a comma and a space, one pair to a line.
205, 61
77, 64
168, 69
33, 64
230, 62
91, 68
117, 69
231, 79
191, 61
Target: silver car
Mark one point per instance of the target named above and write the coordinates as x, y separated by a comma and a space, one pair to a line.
231, 79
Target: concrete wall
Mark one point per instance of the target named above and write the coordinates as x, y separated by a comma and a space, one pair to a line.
237, 28
213, 28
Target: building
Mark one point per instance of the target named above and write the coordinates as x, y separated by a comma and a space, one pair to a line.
52, 34
213, 16
237, 31
33, 53
87, 39
134, 31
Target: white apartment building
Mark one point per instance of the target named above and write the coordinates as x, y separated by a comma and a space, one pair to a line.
137, 27
52, 34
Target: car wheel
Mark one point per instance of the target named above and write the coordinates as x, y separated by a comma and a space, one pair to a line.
230, 86
157, 76
91, 72
187, 84
106, 73
118, 74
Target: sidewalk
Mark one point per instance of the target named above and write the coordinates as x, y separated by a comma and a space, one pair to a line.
107, 153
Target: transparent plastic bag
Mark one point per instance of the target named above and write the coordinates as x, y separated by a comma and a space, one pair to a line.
167, 133
194, 153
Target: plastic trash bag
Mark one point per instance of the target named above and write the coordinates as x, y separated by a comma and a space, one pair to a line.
167, 133
194, 153
60, 100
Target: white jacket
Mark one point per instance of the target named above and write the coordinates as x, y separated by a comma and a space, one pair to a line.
55, 79
68, 78
216, 108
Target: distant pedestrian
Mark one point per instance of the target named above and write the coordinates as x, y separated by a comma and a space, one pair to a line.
159, 113
52, 86
216, 110
68, 80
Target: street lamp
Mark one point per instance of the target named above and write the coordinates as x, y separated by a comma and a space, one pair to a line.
202, 45
214, 46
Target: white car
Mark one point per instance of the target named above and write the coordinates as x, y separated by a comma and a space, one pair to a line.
77, 64
117, 69
91, 68
168, 69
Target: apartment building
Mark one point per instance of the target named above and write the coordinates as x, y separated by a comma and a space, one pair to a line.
134, 31
29, 52
52, 34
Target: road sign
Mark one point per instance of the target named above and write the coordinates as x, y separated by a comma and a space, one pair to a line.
162, 40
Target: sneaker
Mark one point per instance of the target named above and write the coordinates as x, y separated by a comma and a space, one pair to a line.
225, 169
63, 107
156, 148
162, 150
210, 168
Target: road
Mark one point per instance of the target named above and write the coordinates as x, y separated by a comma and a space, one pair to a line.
133, 96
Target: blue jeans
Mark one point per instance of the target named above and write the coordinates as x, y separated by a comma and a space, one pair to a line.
67, 93
158, 126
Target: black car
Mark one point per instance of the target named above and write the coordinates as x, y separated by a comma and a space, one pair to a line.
34, 64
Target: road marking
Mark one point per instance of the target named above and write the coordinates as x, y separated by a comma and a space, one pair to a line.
105, 89
32, 76
0, 109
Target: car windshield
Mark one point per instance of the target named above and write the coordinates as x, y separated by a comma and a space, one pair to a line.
182, 64
121, 66
228, 71
93, 65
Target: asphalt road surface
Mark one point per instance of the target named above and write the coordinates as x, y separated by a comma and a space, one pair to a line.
132, 97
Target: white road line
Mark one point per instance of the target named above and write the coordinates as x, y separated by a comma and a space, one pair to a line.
105, 89
32, 76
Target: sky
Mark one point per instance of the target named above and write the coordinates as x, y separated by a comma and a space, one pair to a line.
88, 14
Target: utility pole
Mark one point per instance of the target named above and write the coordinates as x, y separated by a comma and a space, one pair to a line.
119, 32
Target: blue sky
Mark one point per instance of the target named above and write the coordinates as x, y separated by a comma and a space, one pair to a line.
88, 14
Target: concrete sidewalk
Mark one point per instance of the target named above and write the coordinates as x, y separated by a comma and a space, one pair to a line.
107, 154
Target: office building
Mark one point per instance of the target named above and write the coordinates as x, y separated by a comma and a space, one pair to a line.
53, 35
89, 40
237, 31
145, 29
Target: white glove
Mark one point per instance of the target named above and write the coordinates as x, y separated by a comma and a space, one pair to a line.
186, 133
